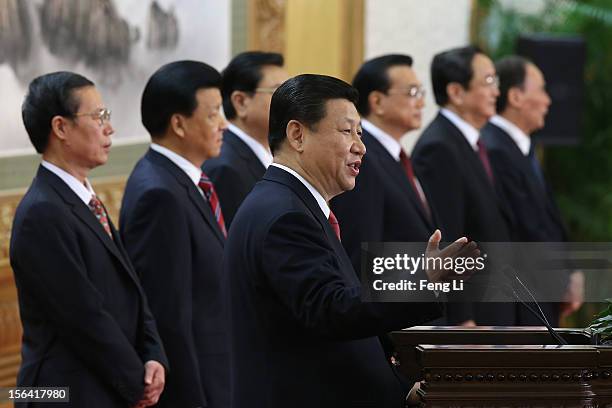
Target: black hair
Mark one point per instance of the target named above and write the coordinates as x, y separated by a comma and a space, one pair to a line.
243, 73
454, 65
48, 96
373, 76
511, 71
303, 98
172, 89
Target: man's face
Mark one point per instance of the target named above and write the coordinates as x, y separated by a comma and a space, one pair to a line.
482, 92
88, 137
401, 106
258, 104
534, 99
333, 148
204, 128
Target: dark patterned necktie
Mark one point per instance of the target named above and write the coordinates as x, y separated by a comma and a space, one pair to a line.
96, 207
213, 200
333, 221
484, 159
407, 165
535, 166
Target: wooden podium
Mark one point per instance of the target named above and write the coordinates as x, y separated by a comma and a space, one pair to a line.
505, 367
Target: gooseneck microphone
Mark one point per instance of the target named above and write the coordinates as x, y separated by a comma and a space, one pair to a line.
509, 272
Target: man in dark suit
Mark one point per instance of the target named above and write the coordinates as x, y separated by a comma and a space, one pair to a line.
302, 337
450, 160
86, 322
391, 99
390, 102
173, 229
247, 86
522, 107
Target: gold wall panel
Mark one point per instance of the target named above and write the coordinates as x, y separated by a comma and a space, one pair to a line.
315, 36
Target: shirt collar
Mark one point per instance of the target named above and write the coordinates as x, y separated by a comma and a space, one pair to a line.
263, 154
389, 143
470, 133
193, 172
84, 191
520, 138
320, 200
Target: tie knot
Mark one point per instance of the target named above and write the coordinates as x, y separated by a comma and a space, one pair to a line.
333, 222
205, 183
95, 202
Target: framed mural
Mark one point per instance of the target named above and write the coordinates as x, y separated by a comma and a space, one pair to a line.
116, 43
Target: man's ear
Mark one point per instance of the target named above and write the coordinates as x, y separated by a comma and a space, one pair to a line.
59, 127
515, 97
295, 135
455, 92
177, 124
240, 102
375, 99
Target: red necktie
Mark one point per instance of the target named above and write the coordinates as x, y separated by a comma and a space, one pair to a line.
484, 158
96, 207
333, 221
213, 200
407, 165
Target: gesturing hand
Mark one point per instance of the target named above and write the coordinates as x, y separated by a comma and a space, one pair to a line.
461, 248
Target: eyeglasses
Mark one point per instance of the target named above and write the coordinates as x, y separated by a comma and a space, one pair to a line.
101, 115
491, 80
414, 91
269, 90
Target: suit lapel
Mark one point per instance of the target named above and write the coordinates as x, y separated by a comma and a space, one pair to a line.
474, 162
84, 214
278, 175
191, 190
252, 162
395, 172
527, 172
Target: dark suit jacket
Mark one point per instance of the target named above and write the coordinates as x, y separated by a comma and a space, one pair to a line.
86, 323
176, 246
234, 173
465, 204
301, 335
535, 216
383, 206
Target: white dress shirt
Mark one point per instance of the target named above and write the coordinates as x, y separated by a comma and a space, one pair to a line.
84, 191
470, 133
520, 138
320, 200
193, 172
394, 148
264, 155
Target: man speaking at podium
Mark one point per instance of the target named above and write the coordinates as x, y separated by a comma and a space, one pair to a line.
302, 337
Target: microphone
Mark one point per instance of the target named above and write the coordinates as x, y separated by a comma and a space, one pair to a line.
509, 272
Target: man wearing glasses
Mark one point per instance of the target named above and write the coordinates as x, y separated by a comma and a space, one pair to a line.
248, 83
86, 322
453, 164
391, 99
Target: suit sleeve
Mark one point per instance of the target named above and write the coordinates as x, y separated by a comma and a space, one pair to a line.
156, 236
361, 213
230, 189
150, 346
57, 275
303, 271
437, 168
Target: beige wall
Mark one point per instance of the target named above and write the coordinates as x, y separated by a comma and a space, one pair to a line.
420, 29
